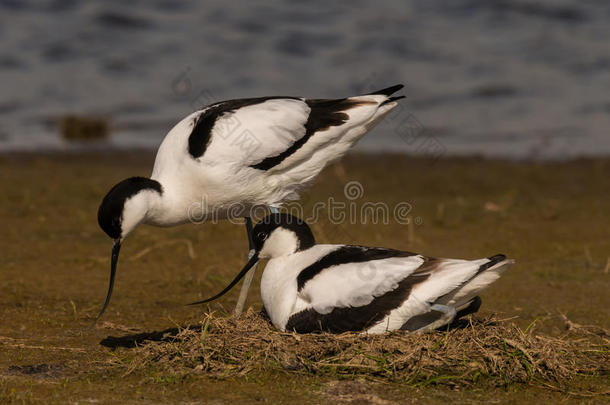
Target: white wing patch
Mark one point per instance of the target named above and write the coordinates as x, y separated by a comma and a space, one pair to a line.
356, 284
249, 134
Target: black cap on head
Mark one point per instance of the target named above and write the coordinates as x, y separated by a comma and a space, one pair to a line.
260, 233
109, 215
268, 224
110, 218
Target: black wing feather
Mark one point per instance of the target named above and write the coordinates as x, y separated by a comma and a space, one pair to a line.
341, 320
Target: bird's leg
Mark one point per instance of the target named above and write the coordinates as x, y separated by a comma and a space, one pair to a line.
243, 293
245, 286
447, 316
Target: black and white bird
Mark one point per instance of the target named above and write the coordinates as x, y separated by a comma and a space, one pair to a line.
231, 156
307, 287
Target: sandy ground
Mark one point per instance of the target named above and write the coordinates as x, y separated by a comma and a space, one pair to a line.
552, 218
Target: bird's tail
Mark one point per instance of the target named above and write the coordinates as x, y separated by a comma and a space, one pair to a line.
488, 272
461, 299
388, 91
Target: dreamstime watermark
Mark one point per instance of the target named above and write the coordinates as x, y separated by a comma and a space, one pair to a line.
183, 89
228, 127
406, 126
349, 210
331, 210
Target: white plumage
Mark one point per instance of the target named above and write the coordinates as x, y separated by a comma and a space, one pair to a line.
226, 173
233, 155
307, 287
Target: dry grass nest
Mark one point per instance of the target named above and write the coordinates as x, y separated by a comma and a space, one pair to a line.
479, 349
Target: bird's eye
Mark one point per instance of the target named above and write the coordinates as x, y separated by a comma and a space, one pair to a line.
262, 235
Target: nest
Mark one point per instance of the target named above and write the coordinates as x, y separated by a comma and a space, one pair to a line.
487, 349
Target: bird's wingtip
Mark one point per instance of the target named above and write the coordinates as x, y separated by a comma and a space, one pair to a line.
388, 91
497, 258
392, 99
493, 260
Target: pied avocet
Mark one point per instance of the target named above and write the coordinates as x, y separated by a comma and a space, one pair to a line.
233, 155
337, 288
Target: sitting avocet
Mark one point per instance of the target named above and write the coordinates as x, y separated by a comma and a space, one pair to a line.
233, 155
337, 288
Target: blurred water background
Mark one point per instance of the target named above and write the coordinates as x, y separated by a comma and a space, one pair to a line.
512, 78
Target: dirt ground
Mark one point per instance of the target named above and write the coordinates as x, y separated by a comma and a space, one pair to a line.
552, 218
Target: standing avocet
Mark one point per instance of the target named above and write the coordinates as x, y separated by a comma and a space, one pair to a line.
337, 288
237, 154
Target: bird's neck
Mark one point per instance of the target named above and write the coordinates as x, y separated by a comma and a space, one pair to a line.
165, 210
279, 289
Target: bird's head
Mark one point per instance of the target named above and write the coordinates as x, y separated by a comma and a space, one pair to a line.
121, 211
274, 236
281, 234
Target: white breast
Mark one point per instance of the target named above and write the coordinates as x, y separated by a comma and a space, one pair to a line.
279, 290
279, 283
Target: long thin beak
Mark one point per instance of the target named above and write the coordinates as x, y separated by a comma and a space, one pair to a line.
113, 262
241, 274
